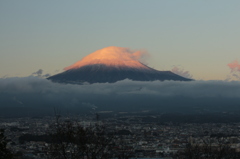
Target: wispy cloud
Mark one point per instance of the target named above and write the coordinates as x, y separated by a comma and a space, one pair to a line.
39, 73
181, 72
235, 70
234, 66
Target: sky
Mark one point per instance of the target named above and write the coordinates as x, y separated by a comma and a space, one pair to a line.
197, 37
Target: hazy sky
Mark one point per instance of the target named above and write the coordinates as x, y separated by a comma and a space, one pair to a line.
201, 37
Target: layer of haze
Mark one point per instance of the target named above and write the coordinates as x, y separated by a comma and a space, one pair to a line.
28, 93
200, 36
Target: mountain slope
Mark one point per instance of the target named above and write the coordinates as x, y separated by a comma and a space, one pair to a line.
103, 74
110, 65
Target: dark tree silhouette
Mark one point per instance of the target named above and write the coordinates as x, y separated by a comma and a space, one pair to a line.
70, 140
4, 152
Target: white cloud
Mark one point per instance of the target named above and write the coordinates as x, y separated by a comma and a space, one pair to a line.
38, 92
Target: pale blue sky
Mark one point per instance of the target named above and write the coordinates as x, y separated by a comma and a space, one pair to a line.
200, 36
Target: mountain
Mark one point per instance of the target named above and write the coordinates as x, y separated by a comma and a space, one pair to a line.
110, 65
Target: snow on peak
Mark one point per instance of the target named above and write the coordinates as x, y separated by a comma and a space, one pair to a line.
112, 56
